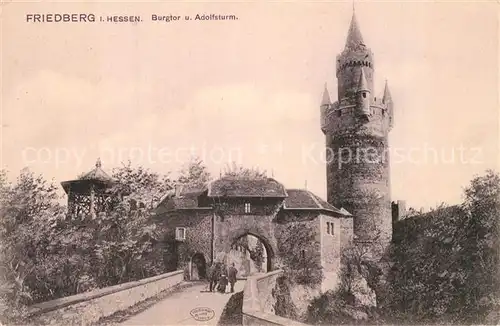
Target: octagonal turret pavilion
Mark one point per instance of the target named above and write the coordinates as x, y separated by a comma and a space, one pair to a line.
90, 194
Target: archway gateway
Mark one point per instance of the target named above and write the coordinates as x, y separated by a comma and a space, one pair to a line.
250, 254
198, 267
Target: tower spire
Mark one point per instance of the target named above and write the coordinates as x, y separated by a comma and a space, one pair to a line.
326, 97
354, 37
387, 94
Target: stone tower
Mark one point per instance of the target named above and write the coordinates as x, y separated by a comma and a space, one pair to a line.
356, 128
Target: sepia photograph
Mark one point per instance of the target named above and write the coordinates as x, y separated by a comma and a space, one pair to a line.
249, 163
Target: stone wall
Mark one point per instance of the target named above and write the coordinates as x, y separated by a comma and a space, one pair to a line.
87, 308
198, 226
258, 301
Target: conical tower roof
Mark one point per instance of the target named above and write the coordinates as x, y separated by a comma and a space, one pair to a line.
354, 37
387, 94
362, 83
326, 97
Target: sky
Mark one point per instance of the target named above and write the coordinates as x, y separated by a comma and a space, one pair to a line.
247, 90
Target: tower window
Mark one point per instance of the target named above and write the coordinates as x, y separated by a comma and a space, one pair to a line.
364, 95
247, 207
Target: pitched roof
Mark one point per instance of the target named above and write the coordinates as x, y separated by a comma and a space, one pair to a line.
187, 199
345, 212
304, 199
354, 37
97, 174
234, 187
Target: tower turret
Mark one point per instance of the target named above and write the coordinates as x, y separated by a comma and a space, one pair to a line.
356, 129
363, 95
387, 100
325, 106
325, 100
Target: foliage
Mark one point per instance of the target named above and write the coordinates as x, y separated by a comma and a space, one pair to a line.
445, 262
257, 255
47, 255
28, 216
140, 185
350, 303
302, 266
284, 305
335, 307
234, 170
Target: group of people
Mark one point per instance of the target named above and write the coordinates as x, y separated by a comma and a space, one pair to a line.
220, 276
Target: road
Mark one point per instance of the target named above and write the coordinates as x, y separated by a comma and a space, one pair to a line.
176, 309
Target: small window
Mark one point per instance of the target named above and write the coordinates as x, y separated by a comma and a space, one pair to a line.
180, 234
247, 207
329, 228
339, 113
364, 95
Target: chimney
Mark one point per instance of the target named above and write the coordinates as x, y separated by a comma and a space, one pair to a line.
398, 210
401, 209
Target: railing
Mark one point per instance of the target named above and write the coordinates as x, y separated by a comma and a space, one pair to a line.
258, 301
87, 308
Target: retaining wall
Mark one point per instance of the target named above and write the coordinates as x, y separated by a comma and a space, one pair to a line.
87, 308
258, 301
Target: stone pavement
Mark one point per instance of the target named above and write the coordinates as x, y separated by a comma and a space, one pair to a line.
179, 308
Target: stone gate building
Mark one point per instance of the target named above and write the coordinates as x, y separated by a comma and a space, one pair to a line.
201, 225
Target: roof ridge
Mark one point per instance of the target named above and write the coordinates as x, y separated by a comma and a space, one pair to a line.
315, 199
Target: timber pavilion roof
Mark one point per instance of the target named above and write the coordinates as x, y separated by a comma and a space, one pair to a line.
96, 178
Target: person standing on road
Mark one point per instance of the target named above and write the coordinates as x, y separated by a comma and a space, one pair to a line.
231, 273
210, 277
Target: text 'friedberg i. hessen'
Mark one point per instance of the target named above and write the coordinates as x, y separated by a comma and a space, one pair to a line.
80, 18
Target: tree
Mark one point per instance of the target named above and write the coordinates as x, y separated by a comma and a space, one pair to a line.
482, 205
445, 262
140, 184
28, 216
194, 174
128, 236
